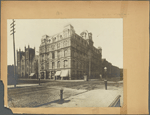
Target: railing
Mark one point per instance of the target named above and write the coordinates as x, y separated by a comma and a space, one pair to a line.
116, 102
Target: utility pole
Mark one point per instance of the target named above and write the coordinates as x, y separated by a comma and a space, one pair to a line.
13, 31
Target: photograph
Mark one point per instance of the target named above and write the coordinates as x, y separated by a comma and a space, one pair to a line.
65, 62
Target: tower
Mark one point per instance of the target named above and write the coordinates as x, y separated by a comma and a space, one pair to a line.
88, 37
68, 31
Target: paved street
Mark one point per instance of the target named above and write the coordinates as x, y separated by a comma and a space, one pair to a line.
75, 93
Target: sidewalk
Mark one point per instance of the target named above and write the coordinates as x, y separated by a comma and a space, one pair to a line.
93, 98
81, 80
52, 80
22, 85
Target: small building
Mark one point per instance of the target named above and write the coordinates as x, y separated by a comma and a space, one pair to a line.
10, 74
112, 71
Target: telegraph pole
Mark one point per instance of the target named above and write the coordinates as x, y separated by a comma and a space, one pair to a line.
12, 25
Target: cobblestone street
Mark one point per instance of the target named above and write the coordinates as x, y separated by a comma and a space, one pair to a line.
47, 94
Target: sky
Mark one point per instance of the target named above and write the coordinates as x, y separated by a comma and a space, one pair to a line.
107, 33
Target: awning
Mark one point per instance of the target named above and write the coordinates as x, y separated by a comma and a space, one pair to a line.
64, 73
32, 74
58, 73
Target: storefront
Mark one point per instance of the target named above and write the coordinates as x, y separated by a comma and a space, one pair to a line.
64, 74
43, 74
57, 74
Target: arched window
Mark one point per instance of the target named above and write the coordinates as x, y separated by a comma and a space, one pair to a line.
65, 53
53, 55
53, 65
65, 63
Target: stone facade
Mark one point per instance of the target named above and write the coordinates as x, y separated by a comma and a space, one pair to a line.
69, 51
27, 62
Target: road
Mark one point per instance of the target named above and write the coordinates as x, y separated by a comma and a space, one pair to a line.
47, 94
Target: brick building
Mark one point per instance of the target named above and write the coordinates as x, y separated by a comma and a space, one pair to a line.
69, 55
112, 71
27, 63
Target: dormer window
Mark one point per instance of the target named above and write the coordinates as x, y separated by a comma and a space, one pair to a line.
55, 39
60, 36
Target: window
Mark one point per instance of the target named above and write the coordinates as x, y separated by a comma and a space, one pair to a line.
47, 65
68, 31
57, 37
65, 43
73, 64
81, 65
65, 63
58, 54
58, 45
53, 55
77, 64
58, 64
22, 67
65, 53
72, 53
42, 67
65, 33
60, 36
53, 65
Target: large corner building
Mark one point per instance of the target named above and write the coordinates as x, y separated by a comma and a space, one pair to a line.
69, 55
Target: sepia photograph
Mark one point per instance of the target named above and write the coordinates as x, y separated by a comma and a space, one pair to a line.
65, 62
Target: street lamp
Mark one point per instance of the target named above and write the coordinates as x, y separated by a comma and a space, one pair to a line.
105, 81
105, 72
